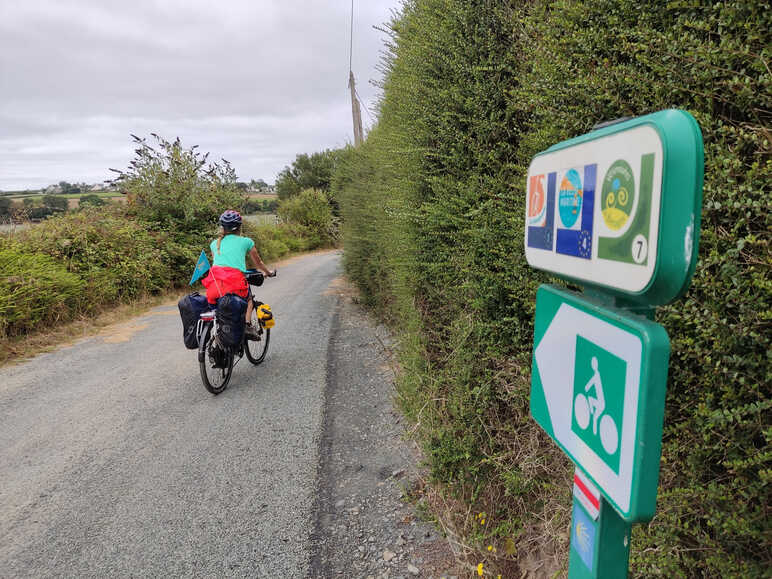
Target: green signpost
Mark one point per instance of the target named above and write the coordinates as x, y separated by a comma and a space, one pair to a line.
617, 211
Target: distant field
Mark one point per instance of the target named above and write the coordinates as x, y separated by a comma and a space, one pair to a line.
262, 196
38, 195
73, 199
261, 218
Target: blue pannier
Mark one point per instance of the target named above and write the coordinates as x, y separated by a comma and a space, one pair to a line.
191, 307
230, 320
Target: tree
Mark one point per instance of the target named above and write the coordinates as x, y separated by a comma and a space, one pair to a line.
68, 189
258, 185
307, 172
5, 207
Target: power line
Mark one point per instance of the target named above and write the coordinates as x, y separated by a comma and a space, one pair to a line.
351, 37
367, 109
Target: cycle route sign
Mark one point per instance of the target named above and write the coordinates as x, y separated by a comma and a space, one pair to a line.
619, 207
598, 389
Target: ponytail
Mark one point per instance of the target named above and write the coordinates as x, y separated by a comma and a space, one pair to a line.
223, 233
220, 238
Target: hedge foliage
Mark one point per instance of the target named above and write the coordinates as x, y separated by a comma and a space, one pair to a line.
433, 207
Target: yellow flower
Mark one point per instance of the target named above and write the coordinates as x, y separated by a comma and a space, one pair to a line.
480, 569
490, 547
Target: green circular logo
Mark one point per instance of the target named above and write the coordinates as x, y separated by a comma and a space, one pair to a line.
617, 195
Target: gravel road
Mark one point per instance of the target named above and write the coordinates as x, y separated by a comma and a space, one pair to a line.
115, 461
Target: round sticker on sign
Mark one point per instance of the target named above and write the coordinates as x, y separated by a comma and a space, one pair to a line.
618, 195
570, 198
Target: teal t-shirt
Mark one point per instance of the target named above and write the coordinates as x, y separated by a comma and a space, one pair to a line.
233, 251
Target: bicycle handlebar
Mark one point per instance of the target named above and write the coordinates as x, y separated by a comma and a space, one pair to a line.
251, 271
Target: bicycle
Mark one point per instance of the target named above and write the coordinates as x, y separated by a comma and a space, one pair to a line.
215, 362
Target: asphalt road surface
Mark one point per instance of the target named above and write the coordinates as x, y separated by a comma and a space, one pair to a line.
115, 461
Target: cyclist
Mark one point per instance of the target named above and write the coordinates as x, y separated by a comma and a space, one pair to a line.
229, 252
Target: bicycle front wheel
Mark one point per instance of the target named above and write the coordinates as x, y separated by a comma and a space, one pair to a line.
256, 347
216, 365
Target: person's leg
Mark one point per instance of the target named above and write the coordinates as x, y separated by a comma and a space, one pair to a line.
250, 307
252, 331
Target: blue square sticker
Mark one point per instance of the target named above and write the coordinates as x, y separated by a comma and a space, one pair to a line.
583, 536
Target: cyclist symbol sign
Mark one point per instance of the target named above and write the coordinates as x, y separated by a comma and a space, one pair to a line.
603, 408
593, 390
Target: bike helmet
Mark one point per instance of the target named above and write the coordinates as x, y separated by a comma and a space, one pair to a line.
230, 220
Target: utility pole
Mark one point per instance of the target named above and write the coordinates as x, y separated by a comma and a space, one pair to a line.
356, 112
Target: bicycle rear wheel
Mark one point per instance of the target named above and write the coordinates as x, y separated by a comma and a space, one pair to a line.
216, 365
256, 347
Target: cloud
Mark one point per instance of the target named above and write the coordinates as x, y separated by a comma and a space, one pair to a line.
256, 82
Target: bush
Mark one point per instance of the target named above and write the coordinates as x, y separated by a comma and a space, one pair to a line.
55, 203
178, 189
5, 207
433, 211
116, 257
310, 210
76, 264
35, 289
94, 200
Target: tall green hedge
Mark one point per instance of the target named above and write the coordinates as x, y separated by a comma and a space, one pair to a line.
433, 207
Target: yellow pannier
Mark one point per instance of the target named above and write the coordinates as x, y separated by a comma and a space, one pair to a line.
265, 315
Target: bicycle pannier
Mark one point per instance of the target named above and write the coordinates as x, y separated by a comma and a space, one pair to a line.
230, 320
191, 307
265, 315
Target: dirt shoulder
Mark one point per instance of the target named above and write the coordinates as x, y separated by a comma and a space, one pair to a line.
364, 527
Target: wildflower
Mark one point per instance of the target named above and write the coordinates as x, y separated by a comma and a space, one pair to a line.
480, 569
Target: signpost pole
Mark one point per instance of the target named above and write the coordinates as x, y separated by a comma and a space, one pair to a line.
600, 549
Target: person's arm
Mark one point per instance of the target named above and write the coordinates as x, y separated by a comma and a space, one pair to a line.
255, 257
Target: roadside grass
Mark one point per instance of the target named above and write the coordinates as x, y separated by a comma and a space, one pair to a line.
17, 349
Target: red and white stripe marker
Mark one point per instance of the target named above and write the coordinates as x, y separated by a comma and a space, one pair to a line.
587, 494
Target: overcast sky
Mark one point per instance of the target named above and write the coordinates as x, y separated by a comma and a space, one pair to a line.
253, 81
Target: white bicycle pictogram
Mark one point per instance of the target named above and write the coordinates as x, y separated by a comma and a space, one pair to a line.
593, 406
